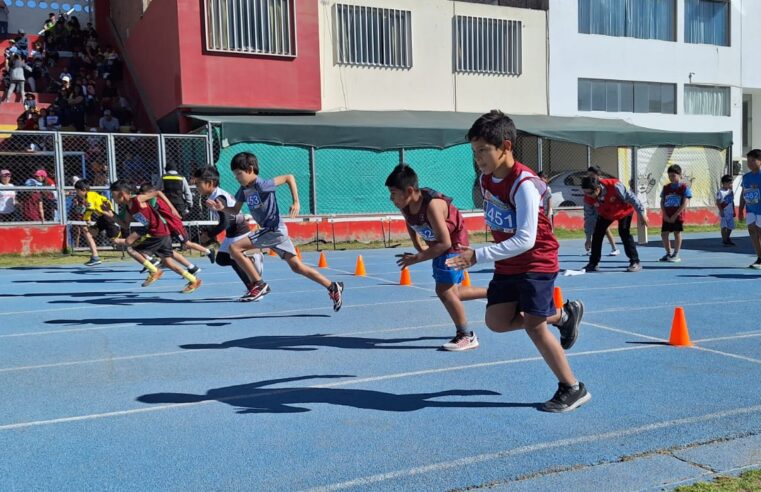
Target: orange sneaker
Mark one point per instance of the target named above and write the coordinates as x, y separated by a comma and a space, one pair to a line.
153, 277
191, 287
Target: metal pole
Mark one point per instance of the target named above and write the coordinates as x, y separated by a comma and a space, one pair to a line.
401, 156
641, 228
539, 155
729, 161
210, 145
61, 181
312, 183
589, 156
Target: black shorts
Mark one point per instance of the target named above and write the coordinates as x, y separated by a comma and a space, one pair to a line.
155, 246
676, 226
106, 223
532, 291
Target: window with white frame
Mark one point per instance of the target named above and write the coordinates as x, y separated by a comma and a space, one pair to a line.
625, 96
706, 22
372, 36
709, 100
643, 19
255, 27
484, 45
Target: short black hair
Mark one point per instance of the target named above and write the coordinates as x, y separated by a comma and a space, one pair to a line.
243, 161
207, 173
170, 166
82, 185
596, 170
674, 168
727, 178
122, 185
590, 182
494, 127
401, 177
754, 154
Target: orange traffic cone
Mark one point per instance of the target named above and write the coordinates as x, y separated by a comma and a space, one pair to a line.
359, 270
323, 263
465, 279
557, 296
298, 254
405, 279
272, 252
680, 337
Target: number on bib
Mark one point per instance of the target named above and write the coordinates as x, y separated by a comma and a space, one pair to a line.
141, 218
254, 200
425, 232
752, 196
499, 218
673, 201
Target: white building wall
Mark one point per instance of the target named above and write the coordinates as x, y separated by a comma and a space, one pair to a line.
574, 55
431, 84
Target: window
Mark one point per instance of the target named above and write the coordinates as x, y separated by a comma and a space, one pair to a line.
706, 100
373, 36
644, 19
256, 27
484, 45
706, 22
623, 96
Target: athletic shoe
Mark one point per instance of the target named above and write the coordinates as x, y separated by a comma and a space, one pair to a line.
666, 257
566, 398
756, 265
634, 267
194, 270
730, 243
153, 277
461, 342
614, 252
212, 255
258, 260
335, 291
191, 287
93, 261
569, 330
591, 268
256, 292
674, 258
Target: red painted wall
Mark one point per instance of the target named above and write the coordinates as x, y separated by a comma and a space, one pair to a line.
32, 240
243, 81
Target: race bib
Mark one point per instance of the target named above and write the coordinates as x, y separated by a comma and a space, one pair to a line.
425, 232
254, 200
141, 218
673, 201
499, 217
752, 196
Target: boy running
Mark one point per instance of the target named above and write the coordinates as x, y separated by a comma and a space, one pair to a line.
259, 195
96, 210
234, 226
725, 202
520, 296
432, 216
157, 241
675, 197
750, 202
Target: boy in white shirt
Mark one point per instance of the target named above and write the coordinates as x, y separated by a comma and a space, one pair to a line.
725, 201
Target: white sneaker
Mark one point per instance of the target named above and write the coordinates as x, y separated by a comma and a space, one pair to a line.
614, 252
461, 342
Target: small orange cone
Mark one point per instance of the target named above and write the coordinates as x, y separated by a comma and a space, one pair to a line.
680, 337
323, 263
298, 254
272, 252
405, 279
557, 296
465, 279
359, 270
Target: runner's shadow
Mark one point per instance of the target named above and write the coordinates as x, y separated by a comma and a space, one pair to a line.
734, 276
175, 321
78, 281
62, 294
137, 299
305, 343
256, 398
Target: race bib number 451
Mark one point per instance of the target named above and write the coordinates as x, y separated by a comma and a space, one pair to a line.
499, 217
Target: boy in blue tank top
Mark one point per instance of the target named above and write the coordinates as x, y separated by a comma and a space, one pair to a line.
432, 216
750, 203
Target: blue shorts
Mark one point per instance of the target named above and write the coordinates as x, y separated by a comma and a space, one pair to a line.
532, 291
443, 274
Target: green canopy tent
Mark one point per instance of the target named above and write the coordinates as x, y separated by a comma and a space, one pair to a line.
386, 130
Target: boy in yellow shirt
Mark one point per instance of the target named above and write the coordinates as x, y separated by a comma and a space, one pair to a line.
98, 214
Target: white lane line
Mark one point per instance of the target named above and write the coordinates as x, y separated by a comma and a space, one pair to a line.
625, 332
665, 284
532, 448
726, 354
731, 337
659, 306
22, 425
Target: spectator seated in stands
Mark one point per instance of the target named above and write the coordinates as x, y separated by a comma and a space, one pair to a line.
30, 101
28, 121
48, 120
108, 123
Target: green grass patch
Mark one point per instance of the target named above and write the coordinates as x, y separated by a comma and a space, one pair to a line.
749, 481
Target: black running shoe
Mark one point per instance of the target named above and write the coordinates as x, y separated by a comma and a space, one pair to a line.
566, 398
591, 268
212, 255
335, 291
194, 270
256, 292
569, 330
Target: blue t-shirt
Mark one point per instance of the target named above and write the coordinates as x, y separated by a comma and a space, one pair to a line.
752, 192
261, 201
